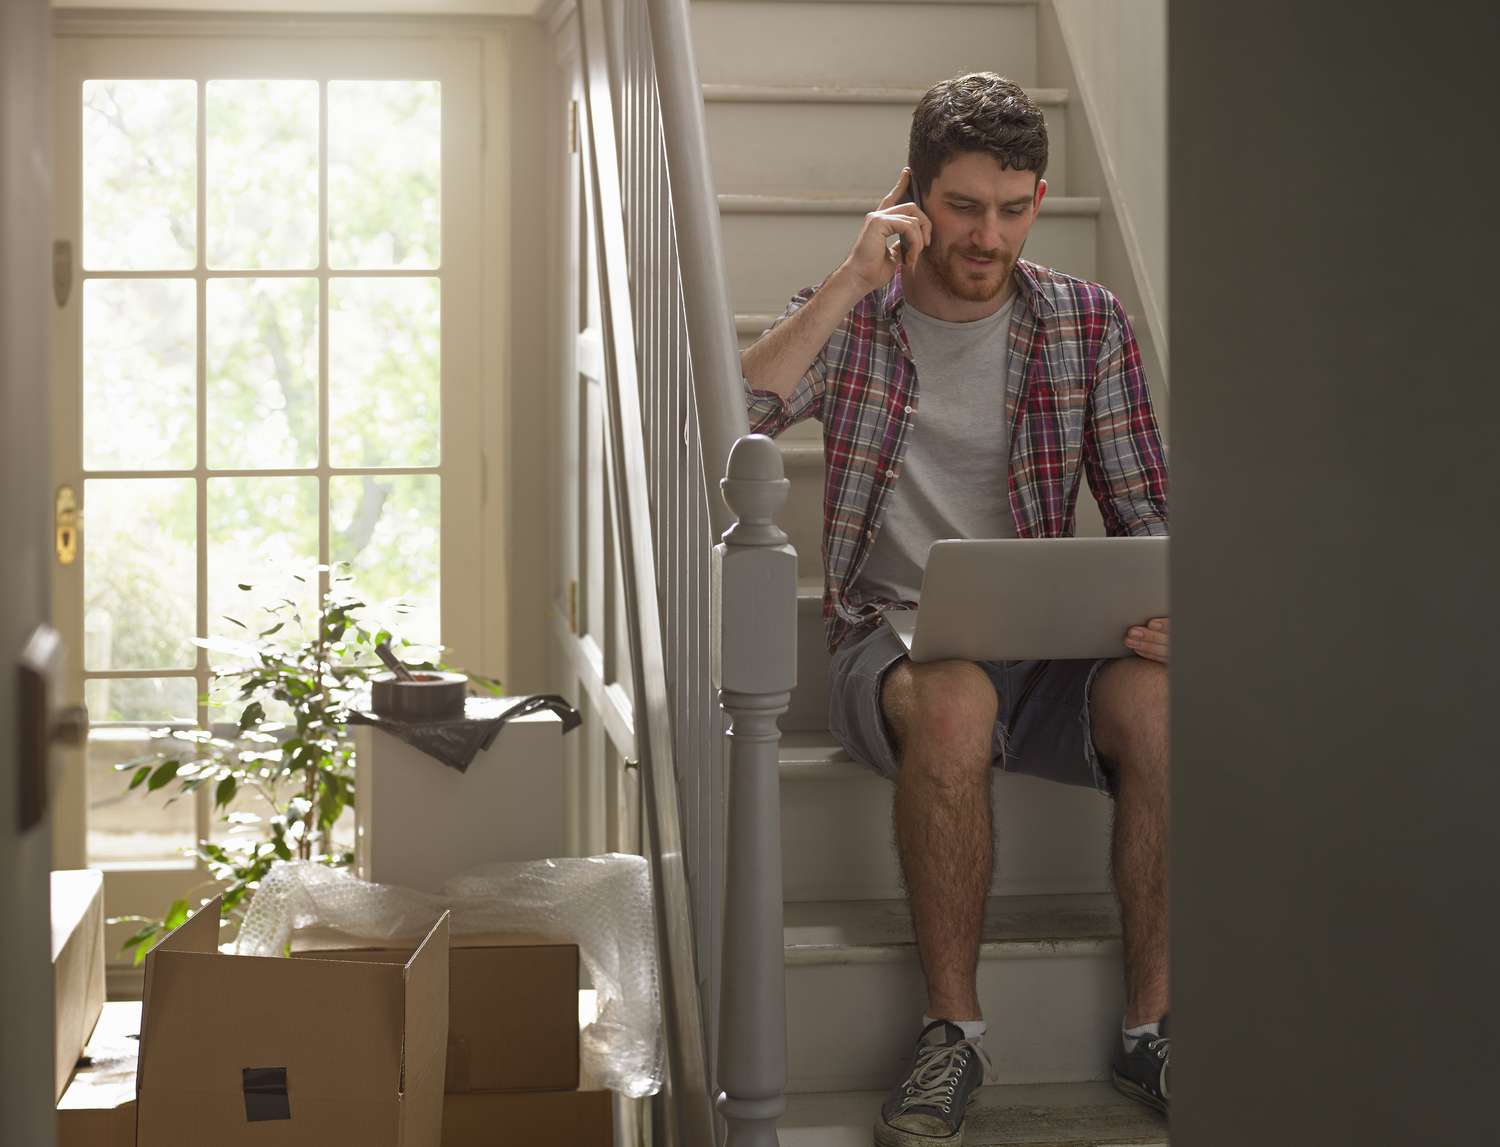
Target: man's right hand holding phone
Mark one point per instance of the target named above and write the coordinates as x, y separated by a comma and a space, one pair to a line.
893, 236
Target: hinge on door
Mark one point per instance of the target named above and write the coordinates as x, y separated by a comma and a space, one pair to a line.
573, 605
572, 127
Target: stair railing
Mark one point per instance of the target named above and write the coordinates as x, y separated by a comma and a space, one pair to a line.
701, 618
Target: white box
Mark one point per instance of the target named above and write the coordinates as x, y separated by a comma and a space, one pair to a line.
419, 821
77, 965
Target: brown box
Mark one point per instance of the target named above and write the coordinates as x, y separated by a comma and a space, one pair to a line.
98, 1109
77, 965
239, 1050
512, 1008
535, 1118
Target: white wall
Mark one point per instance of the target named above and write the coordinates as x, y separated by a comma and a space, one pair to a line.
1118, 50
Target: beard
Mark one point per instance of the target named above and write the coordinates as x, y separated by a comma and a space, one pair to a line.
967, 282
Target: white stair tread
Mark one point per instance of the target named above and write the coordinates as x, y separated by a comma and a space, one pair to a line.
1014, 1115
880, 931
845, 94
838, 203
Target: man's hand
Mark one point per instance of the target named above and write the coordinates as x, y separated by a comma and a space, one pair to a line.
1150, 640
872, 262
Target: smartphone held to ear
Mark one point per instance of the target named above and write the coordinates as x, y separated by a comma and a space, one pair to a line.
895, 246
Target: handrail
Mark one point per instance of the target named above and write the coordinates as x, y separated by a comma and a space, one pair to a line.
676, 413
722, 420
690, 1117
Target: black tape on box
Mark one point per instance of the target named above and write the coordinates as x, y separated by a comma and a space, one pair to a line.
265, 1094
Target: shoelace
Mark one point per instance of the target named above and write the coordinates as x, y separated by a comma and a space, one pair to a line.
1161, 1047
934, 1080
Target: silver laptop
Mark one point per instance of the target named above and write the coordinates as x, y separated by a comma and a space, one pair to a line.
1007, 599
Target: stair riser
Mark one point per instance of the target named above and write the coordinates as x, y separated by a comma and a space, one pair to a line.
836, 841
753, 42
815, 147
771, 256
1051, 1018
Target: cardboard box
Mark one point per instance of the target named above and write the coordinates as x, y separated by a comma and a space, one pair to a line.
512, 1008
419, 822
535, 1118
77, 966
98, 1109
290, 1053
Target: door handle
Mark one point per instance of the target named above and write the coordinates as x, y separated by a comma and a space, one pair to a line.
40, 726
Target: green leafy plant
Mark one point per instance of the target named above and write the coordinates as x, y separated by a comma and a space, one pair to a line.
302, 768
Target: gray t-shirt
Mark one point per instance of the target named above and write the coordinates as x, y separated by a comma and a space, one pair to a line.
952, 480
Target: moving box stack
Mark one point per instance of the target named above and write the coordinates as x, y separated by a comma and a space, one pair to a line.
513, 1017
466, 1041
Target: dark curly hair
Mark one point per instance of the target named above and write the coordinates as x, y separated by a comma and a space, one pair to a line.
980, 111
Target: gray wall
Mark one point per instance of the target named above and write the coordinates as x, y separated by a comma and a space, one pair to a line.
1336, 421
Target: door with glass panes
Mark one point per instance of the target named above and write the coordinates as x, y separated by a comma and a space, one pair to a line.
266, 364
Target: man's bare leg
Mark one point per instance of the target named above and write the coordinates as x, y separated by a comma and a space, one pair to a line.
942, 717
1129, 716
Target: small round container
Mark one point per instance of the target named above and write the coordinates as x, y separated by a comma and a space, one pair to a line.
431, 697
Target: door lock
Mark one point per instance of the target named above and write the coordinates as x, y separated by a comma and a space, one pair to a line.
67, 525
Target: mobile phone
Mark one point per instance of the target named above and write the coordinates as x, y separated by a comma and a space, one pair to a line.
898, 239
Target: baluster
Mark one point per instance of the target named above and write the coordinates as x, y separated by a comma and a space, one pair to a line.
755, 670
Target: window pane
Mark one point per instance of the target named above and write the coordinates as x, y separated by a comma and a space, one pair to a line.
383, 372
262, 373
141, 699
384, 173
132, 825
139, 573
140, 343
262, 173
387, 529
262, 532
140, 182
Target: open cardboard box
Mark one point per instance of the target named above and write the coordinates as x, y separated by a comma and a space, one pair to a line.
291, 1053
512, 1006
98, 1109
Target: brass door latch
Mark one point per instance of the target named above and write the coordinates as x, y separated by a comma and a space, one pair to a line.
67, 525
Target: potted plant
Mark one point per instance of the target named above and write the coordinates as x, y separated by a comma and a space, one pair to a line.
302, 767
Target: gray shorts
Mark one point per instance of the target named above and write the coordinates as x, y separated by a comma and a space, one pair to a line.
1041, 728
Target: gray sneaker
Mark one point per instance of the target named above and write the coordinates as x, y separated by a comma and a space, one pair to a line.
927, 1107
1143, 1073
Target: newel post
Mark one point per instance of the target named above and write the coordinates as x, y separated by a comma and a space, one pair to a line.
755, 670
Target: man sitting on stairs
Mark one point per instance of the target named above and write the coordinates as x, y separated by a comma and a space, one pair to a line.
1027, 376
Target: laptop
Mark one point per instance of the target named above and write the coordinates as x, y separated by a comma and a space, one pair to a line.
1011, 599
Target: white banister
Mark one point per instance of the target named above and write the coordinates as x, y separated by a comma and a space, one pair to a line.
712, 628
755, 670
700, 246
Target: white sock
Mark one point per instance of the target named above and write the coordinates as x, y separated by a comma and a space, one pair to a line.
1133, 1036
972, 1029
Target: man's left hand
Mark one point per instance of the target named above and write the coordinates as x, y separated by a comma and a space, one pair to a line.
1149, 640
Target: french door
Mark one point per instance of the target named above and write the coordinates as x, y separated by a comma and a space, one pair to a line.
267, 362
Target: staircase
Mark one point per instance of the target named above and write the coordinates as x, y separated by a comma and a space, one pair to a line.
808, 105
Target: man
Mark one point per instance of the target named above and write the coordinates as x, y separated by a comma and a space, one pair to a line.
1023, 378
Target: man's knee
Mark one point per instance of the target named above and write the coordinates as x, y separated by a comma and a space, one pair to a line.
949, 703
1128, 706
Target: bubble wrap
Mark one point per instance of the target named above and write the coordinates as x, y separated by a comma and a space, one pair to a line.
600, 903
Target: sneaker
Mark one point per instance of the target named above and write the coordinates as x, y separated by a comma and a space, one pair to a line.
1142, 1074
927, 1107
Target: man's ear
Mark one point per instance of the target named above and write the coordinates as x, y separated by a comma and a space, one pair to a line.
1041, 191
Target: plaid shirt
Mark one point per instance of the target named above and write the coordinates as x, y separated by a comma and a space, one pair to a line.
1074, 378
